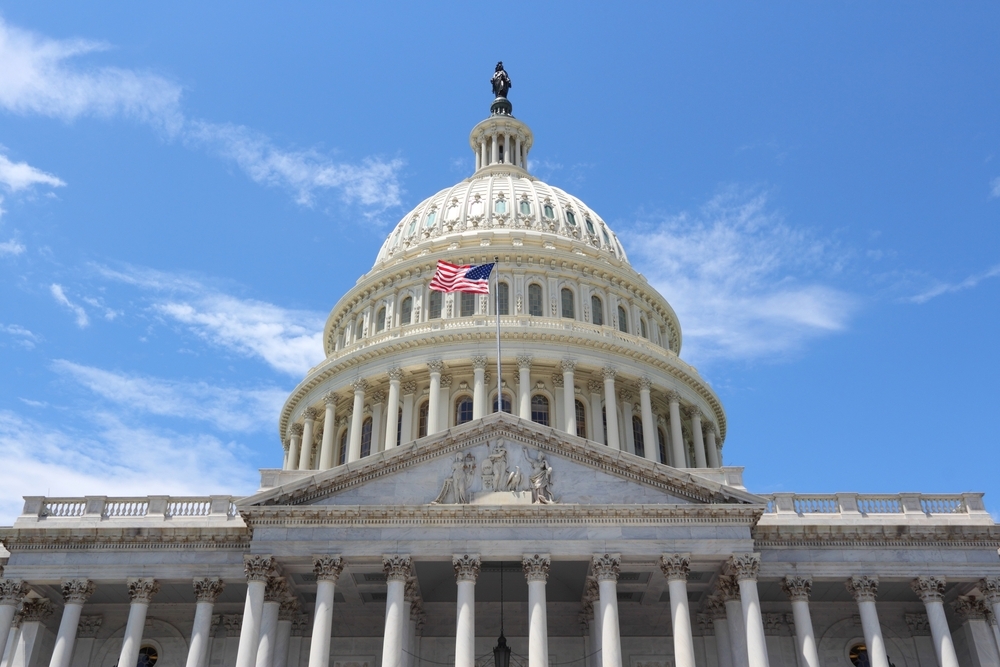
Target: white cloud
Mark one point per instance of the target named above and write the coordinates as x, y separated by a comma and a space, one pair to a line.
740, 279
21, 175
226, 408
995, 188
132, 460
11, 247
948, 288
59, 295
22, 336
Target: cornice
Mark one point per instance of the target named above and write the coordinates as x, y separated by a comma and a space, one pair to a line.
850, 535
123, 539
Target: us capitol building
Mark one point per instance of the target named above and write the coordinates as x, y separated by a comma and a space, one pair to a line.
578, 512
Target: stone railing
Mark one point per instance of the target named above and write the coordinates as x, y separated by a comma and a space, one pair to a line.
860, 505
103, 508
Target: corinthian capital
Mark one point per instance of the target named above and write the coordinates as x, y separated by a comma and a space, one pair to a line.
276, 589
409, 387
330, 398
714, 607
674, 396
480, 362
35, 610
744, 566
568, 365
694, 412
644, 384
328, 567
524, 361
288, 609
595, 386
295, 430
968, 607
396, 566
395, 374
378, 396
729, 588
675, 566
797, 588
863, 588
310, 414
536, 567
142, 589
606, 566
12, 590
609, 373
208, 589
435, 365
466, 567
929, 589
258, 568
77, 591
360, 385
990, 587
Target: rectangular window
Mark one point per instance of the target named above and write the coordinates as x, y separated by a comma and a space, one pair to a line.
535, 300
567, 304
468, 304
435, 306
503, 296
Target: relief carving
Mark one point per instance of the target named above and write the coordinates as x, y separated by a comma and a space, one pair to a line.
455, 489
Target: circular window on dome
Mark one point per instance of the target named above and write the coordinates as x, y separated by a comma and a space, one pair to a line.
858, 655
147, 657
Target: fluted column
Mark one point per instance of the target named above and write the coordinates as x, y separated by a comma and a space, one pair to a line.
711, 448
140, 592
716, 610
524, 386
676, 434
75, 593
729, 594
327, 569
397, 571
11, 592
797, 589
628, 444
648, 422
479, 386
434, 397
294, 442
287, 610
275, 591
392, 408
930, 590
569, 395
33, 612
409, 389
257, 570
606, 567
675, 568
329, 431
864, 589
357, 417
611, 408
536, 571
308, 429
699, 443
979, 636
596, 389
744, 567
206, 592
466, 573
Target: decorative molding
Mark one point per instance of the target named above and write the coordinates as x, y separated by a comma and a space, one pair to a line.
863, 588
142, 590
208, 589
295, 430
395, 374
435, 365
409, 388
595, 386
257, 567
360, 385
797, 588
606, 566
989, 586
609, 373
233, 624
480, 362
557, 379
378, 396
288, 609
466, 567
929, 589
328, 567
536, 567
396, 567
970, 608
446, 381
524, 361
715, 607
77, 591
675, 567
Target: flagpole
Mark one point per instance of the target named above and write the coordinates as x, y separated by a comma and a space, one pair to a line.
496, 309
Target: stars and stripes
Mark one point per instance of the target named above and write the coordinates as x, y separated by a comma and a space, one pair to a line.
468, 278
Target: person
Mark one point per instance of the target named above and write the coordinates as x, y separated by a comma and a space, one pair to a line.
540, 479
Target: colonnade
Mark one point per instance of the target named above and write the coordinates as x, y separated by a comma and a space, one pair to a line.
515, 150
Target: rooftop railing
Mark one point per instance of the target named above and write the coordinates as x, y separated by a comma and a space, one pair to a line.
854, 504
106, 508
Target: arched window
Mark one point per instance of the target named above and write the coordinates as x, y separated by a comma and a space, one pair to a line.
622, 320
570, 218
467, 304
858, 655
535, 299
506, 404
435, 306
399, 427
431, 217
406, 310
642, 328
566, 295
640, 444
500, 206
604, 233
412, 227
548, 211
147, 657
581, 419
604, 420
596, 311
463, 410
342, 458
422, 419
525, 207
661, 440
540, 410
366, 437
503, 295
380, 319
590, 225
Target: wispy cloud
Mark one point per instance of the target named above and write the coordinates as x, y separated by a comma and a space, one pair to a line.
11, 247
744, 284
226, 408
948, 288
82, 320
22, 337
16, 176
995, 188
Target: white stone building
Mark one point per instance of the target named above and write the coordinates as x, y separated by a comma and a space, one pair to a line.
596, 505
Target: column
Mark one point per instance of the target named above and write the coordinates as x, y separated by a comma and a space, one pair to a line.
626, 397
592, 595
479, 386
11, 592
411, 609
930, 590
606, 569
495, 152
482, 152
327, 569
257, 569
648, 423
206, 592
397, 571
710, 446
409, 390
675, 568
308, 426
744, 567
294, 441
797, 589
378, 420
517, 151
33, 612
611, 409
536, 571
357, 417
979, 636
141, 592
569, 395
864, 589
75, 593
596, 389
676, 435
466, 573
716, 610
699, 444
326, 450
445, 401
990, 588
729, 594
287, 610
392, 408
434, 397
274, 592
524, 386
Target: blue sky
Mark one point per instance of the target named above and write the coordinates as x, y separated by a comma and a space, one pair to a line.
187, 190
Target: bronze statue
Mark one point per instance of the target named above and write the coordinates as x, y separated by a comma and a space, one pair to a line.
501, 82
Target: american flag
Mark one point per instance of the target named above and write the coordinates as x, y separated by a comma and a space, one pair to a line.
454, 278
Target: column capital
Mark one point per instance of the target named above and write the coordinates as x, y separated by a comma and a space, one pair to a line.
89, 626
142, 590
77, 591
591, 590
797, 588
35, 610
411, 591
480, 362
257, 567
990, 588
435, 365
863, 587
744, 566
644, 383
378, 396
208, 589
395, 374
609, 373
295, 430
568, 365
626, 396
693, 411
12, 590
288, 609
536, 567
708, 428
524, 361
409, 388
674, 396
675, 567
396, 566
310, 414
276, 589
607, 566
446, 380
330, 398
715, 607
327, 567
466, 567
970, 608
360, 385
595, 386
929, 589
729, 588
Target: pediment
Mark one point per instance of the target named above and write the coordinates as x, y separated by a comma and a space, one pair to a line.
501, 460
